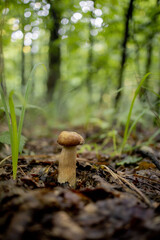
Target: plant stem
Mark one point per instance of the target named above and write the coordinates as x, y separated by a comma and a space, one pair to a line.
130, 112
14, 136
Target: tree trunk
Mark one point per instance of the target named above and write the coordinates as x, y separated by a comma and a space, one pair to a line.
54, 51
89, 65
149, 56
157, 105
124, 50
2, 75
158, 97
23, 82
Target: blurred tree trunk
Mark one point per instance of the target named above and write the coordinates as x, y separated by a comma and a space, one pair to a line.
54, 49
128, 17
157, 105
157, 102
1, 56
2, 75
158, 98
90, 64
149, 52
137, 54
32, 60
90, 59
23, 82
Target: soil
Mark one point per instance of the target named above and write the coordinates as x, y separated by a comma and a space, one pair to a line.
109, 201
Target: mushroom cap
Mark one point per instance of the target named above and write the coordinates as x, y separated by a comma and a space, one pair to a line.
70, 139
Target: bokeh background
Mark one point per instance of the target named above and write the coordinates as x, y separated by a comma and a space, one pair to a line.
89, 55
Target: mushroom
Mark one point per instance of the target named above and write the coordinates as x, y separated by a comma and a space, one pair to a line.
67, 160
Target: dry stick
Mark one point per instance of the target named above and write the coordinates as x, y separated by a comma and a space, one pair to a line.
131, 185
22, 171
3, 160
151, 156
148, 184
148, 179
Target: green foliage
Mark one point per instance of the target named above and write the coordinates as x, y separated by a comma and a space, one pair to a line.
113, 134
16, 139
13, 135
5, 139
127, 131
129, 160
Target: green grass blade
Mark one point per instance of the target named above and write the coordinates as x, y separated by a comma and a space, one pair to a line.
150, 140
151, 90
130, 111
14, 136
135, 122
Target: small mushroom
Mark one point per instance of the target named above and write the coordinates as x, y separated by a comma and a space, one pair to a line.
67, 160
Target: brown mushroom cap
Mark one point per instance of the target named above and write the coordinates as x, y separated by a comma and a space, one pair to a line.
70, 139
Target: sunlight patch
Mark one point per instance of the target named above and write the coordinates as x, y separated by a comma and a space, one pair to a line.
97, 22
26, 1
27, 42
27, 27
98, 12
37, 5
65, 21
27, 14
34, 49
94, 32
26, 49
87, 6
17, 35
5, 11
76, 17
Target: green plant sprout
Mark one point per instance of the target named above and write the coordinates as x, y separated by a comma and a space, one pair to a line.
113, 135
14, 137
127, 130
129, 160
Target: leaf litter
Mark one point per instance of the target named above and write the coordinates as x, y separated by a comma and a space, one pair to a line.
109, 201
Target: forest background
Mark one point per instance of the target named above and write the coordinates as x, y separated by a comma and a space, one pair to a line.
95, 53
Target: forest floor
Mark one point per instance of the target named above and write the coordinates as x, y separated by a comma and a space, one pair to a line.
110, 201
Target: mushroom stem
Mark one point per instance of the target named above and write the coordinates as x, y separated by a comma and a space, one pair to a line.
67, 166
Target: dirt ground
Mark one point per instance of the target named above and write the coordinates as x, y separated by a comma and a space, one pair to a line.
110, 201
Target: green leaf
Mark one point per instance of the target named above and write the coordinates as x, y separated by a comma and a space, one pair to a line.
28, 106
19, 107
129, 160
13, 135
17, 110
5, 139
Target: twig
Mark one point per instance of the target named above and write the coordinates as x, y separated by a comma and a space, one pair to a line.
22, 171
131, 185
148, 179
148, 184
3, 160
150, 155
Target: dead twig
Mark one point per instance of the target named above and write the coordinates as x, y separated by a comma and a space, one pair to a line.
146, 183
130, 185
146, 152
3, 160
22, 171
147, 178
